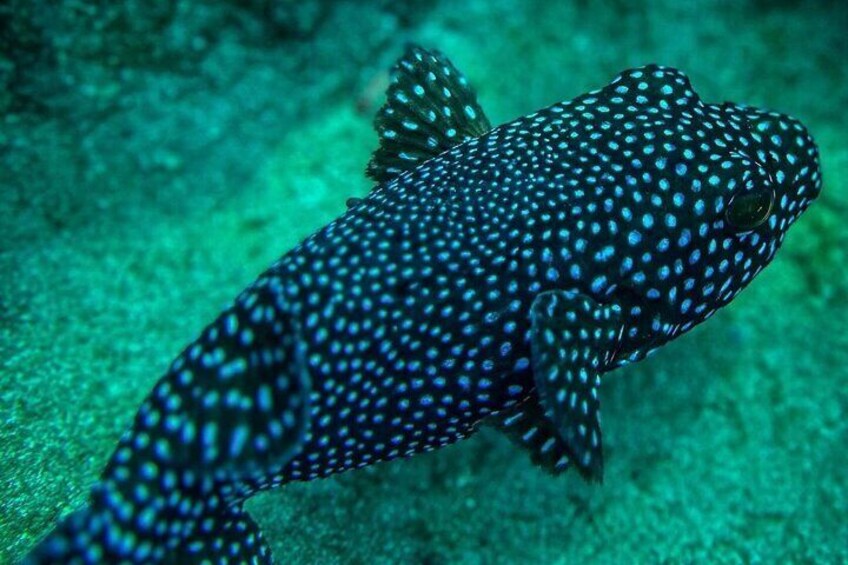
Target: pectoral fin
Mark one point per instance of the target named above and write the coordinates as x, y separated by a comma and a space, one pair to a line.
573, 338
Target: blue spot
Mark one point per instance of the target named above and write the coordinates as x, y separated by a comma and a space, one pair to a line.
695, 256
149, 470
238, 440
605, 253
599, 283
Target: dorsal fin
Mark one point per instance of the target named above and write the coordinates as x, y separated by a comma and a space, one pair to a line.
429, 108
653, 85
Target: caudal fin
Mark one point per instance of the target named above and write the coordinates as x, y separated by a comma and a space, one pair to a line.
87, 537
233, 408
227, 537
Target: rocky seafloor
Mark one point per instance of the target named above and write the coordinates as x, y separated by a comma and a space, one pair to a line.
155, 156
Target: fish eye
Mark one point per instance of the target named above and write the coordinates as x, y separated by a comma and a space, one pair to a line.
749, 210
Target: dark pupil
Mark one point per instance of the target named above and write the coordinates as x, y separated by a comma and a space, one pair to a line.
747, 211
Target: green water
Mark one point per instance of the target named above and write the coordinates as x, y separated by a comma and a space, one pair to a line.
154, 159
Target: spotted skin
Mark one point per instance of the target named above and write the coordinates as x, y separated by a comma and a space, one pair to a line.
487, 278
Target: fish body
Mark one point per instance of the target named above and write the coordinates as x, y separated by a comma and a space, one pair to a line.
491, 276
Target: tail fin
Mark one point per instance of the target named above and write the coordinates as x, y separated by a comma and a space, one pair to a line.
236, 402
68, 544
230, 536
232, 409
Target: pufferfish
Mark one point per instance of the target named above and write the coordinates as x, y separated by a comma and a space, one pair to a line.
492, 275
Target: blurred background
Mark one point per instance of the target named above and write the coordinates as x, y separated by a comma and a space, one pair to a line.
156, 155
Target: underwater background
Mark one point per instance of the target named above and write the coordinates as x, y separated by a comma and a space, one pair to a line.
155, 156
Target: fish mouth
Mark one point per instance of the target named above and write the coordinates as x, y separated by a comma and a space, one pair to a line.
816, 192
806, 194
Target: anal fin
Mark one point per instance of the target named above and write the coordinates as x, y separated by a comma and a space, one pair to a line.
527, 426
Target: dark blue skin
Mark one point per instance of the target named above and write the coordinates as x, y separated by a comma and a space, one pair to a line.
490, 276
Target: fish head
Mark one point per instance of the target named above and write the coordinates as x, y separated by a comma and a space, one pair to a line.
761, 174
710, 192
781, 162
